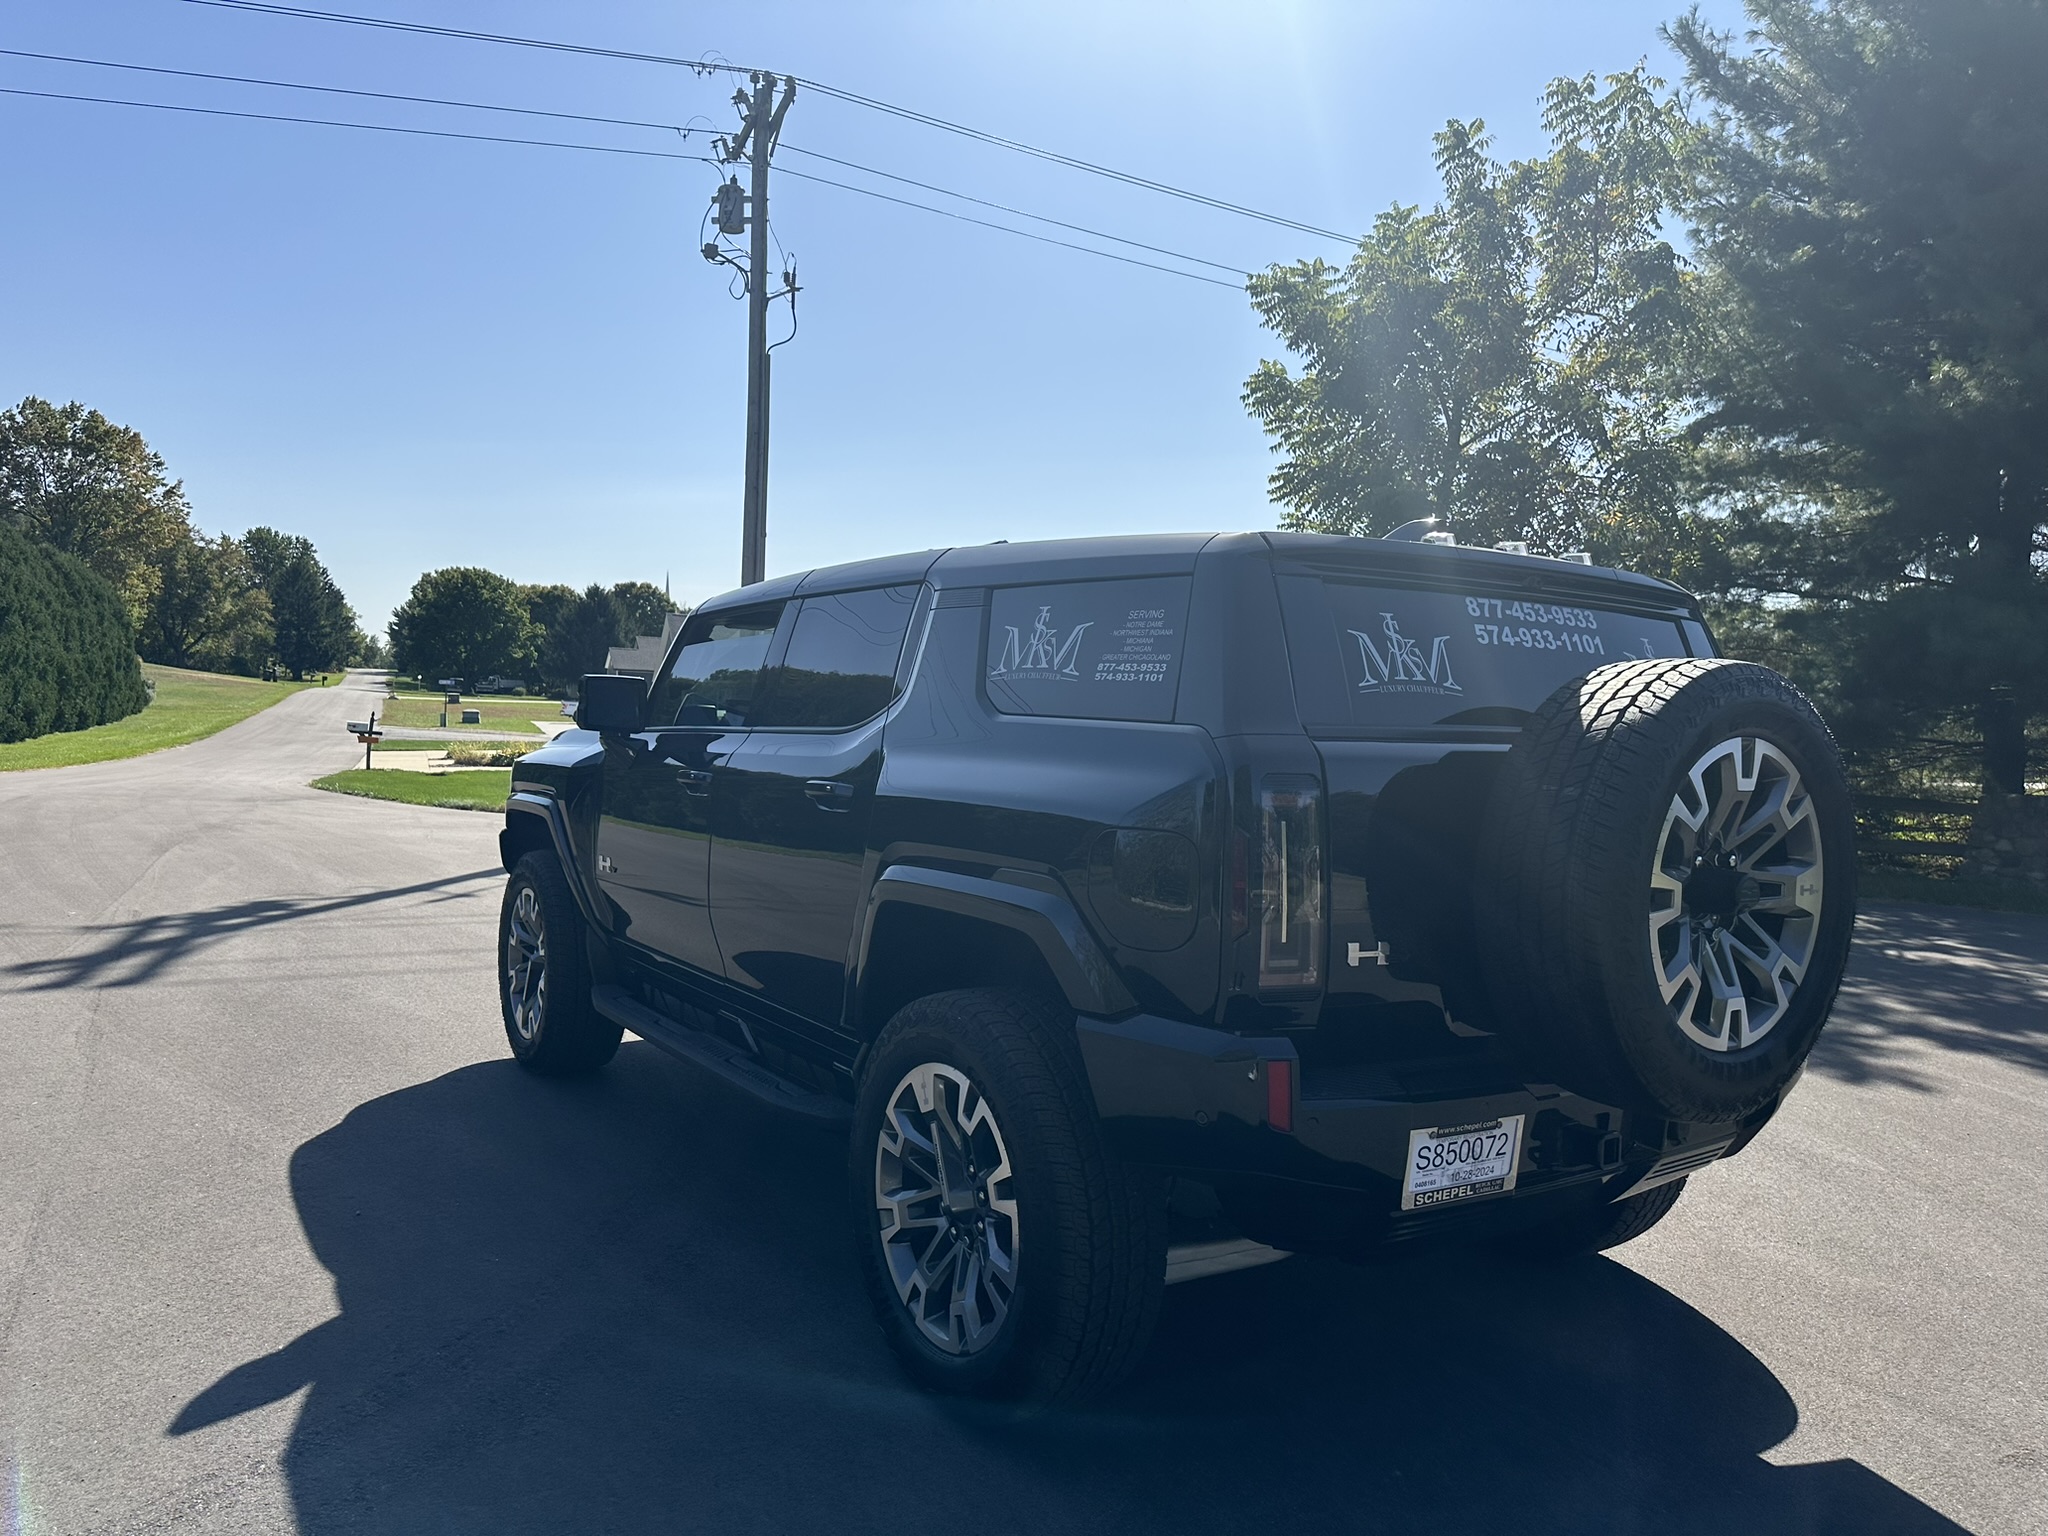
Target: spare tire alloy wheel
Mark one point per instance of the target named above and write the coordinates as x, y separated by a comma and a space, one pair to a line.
1735, 894
526, 964
1669, 878
946, 1202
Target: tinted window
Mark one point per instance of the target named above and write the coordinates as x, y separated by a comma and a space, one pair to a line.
716, 674
840, 668
1411, 657
1100, 650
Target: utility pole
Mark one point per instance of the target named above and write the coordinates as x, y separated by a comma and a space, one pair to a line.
756, 142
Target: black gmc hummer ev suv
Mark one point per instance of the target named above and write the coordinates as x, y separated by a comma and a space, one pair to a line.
1149, 906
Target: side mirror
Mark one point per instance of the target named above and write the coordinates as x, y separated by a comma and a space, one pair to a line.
612, 704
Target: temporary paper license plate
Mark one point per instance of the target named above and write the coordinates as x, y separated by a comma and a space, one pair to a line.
1461, 1162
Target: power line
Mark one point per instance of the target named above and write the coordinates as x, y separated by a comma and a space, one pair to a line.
854, 98
1021, 213
966, 218
331, 122
387, 25
342, 90
1071, 163
624, 122
611, 149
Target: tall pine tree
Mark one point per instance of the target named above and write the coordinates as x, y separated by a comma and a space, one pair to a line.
1871, 212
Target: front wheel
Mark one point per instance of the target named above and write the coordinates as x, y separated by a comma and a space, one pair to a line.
1006, 1251
544, 975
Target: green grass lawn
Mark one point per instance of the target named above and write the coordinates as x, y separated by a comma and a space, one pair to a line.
422, 711
188, 705
483, 790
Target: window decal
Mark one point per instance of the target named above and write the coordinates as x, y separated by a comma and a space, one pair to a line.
1399, 668
1422, 656
1096, 650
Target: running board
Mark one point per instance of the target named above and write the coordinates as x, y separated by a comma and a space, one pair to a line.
715, 1056
1197, 1261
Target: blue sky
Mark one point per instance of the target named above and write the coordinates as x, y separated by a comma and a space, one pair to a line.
422, 353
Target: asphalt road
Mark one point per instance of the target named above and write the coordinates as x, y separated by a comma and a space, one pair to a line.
286, 1242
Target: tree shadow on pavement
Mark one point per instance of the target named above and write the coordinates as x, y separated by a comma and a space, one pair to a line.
132, 954
628, 1304
1923, 978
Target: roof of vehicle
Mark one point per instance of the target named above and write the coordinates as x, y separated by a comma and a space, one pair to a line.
1161, 554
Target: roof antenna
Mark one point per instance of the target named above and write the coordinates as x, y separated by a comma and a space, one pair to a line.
1412, 532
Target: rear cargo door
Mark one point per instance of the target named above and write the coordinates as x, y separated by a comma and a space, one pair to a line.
1412, 689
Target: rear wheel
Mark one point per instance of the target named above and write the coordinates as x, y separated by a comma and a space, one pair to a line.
1005, 1250
1597, 1230
544, 975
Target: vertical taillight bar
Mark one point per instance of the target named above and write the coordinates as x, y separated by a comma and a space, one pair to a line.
1291, 899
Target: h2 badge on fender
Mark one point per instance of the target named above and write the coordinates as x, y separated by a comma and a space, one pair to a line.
1460, 1162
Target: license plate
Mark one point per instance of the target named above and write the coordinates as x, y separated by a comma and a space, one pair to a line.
1461, 1162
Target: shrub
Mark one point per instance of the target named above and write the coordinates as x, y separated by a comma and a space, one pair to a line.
67, 652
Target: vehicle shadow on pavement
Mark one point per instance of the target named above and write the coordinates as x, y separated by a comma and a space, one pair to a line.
629, 1304
1933, 977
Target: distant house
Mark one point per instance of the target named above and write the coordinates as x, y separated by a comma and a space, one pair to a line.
643, 657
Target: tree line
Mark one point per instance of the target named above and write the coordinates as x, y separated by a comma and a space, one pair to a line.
85, 487
469, 623
1779, 333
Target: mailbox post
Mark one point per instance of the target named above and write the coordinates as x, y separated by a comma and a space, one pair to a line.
367, 733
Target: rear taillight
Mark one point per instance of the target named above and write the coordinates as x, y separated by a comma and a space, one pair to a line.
1280, 1094
1291, 900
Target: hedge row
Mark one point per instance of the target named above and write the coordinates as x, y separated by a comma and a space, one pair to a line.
67, 653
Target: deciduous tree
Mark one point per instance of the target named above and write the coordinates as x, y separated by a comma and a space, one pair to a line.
93, 489
460, 622
1501, 361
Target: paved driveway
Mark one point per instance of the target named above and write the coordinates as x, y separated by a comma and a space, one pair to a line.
286, 1243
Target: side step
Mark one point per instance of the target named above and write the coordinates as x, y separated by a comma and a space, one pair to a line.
1197, 1261
729, 1062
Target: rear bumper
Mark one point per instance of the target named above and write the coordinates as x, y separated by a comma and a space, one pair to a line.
1195, 1101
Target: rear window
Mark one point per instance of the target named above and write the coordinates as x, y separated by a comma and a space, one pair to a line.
1096, 650
1372, 654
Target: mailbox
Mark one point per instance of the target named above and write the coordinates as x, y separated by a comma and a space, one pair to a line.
367, 733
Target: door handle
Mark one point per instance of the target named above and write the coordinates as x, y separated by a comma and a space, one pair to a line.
695, 781
830, 794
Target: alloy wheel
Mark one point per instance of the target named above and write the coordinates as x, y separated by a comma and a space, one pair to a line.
526, 963
946, 1207
1735, 894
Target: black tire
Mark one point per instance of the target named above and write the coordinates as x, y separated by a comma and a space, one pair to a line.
1577, 832
1088, 1236
549, 1022
1597, 1230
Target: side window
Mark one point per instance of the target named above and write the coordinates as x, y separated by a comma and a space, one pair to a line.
1098, 650
715, 676
840, 667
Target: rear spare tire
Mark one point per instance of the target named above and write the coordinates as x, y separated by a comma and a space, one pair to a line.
1667, 885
